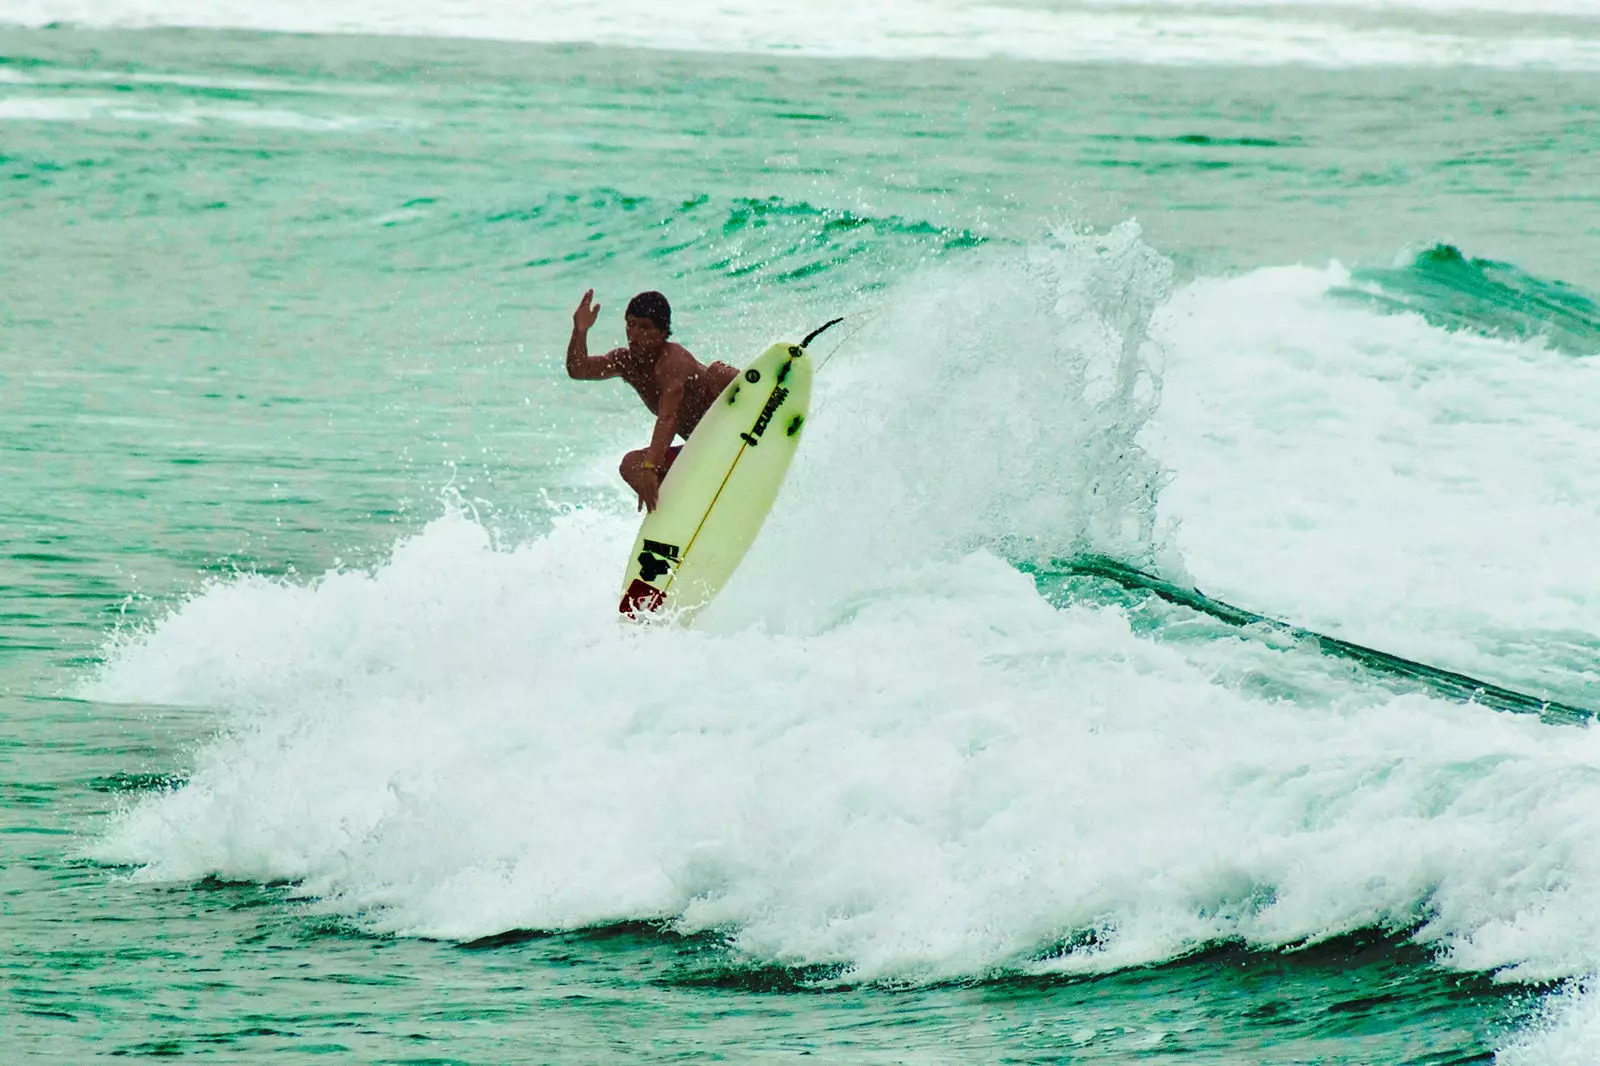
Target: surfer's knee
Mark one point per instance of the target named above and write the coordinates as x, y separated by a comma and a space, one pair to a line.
631, 464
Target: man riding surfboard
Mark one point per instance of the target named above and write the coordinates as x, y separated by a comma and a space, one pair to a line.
676, 387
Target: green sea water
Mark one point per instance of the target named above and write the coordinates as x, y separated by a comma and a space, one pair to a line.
271, 306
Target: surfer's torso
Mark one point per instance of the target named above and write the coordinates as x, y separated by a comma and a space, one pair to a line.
701, 386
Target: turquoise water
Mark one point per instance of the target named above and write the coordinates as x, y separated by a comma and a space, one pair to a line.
322, 738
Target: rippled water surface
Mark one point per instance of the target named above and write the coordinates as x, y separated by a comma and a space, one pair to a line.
322, 738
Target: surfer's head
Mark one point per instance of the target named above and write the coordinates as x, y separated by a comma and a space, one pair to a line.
649, 319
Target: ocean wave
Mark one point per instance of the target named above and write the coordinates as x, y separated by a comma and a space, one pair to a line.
951, 779
92, 108
885, 756
200, 85
1496, 299
741, 242
1351, 35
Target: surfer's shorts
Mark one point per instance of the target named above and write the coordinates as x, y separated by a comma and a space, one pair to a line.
672, 455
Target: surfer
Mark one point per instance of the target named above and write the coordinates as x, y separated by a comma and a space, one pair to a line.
676, 387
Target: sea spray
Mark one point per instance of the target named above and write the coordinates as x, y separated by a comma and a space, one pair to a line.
994, 402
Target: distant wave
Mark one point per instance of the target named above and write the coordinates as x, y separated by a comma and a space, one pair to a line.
1456, 291
739, 240
1521, 8
1354, 33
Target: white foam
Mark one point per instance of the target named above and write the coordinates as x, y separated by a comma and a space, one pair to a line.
51, 108
1181, 33
952, 777
1566, 1031
1514, 8
884, 749
1430, 493
85, 108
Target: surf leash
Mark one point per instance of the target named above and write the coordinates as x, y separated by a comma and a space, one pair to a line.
819, 330
866, 320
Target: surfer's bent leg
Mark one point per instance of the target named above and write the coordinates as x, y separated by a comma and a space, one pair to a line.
641, 479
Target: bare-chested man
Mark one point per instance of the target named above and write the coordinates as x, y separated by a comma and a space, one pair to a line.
673, 384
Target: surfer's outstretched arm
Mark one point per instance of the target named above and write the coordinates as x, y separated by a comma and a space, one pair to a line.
580, 364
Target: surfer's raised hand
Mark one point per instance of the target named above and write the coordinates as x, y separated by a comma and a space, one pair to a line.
586, 314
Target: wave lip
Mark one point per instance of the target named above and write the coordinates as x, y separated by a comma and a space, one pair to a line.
1362, 35
1456, 291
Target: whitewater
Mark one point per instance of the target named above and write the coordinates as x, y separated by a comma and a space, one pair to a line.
1562, 35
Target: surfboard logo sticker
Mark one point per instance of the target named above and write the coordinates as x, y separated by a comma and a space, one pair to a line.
656, 559
764, 419
641, 598
669, 551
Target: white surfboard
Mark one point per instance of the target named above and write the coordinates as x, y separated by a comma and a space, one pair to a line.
718, 491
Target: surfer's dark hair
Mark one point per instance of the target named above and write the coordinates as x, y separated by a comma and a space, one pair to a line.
654, 306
